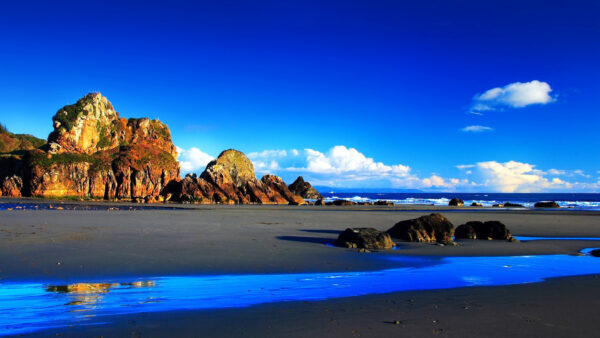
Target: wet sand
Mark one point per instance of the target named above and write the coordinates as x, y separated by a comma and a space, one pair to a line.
64, 246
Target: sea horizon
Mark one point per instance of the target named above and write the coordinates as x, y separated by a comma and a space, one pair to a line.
584, 201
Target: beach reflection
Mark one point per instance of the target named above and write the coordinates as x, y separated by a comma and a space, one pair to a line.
86, 294
29, 307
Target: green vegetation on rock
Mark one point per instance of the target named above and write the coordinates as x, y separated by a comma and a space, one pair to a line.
16, 143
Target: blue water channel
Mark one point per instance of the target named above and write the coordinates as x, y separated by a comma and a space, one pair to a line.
28, 307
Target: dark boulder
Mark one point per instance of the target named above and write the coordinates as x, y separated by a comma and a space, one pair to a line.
364, 238
431, 228
341, 202
320, 202
595, 252
465, 231
483, 230
382, 202
476, 204
513, 205
456, 202
547, 204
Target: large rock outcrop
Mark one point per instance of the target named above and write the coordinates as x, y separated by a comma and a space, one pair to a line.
86, 127
230, 178
94, 153
431, 228
305, 189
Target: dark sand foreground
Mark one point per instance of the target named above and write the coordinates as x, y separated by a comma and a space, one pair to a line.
63, 246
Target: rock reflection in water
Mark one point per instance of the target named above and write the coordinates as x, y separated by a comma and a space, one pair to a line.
92, 293
30, 307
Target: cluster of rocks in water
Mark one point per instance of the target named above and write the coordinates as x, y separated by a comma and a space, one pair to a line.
433, 228
93, 153
457, 202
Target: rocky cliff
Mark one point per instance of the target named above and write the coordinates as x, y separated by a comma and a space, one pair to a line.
94, 153
304, 189
231, 179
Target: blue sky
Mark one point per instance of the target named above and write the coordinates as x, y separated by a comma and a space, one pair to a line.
353, 93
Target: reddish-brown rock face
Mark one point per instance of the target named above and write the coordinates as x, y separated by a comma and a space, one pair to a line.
304, 189
230, 179
278, 187
93, 153
11, 186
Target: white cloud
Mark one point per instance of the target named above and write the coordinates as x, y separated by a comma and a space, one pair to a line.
556, 172
515, 176
193, 160
439, 182
341, 159
580, 172
340, 165
343, 166
514, 95
476, 129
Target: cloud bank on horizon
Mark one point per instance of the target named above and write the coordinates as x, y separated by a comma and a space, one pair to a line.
347, 167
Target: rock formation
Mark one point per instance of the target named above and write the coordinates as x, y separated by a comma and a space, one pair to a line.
431, 228
513, 205
364, 238
230, 178
475, 204
304, 189
11, 186
595, 252
456, 202
483, 230
547, 205
93, 153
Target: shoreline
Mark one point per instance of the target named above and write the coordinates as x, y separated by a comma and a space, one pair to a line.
357, 207
111, 245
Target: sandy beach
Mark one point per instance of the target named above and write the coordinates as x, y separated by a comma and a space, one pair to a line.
67, 246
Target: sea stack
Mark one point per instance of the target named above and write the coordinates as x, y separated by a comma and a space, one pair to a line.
304, 189
94, 153
230, 179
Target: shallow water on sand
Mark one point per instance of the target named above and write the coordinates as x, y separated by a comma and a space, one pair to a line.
28, 307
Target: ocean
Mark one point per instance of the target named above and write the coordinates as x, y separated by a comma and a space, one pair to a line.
565, 200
